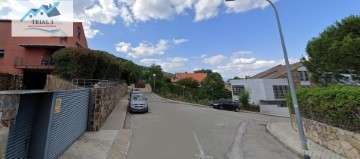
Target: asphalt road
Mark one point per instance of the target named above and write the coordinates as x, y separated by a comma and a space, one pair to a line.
179, 131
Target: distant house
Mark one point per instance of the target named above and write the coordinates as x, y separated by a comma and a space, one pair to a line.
268, 88
199, 77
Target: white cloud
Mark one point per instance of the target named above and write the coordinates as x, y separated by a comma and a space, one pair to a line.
203, 55
170, 65
126, 16
144, 10
92, 12
240, 54
215, 60
239, 6
247, 66
143, 49
179, 41
206, 9
177, 59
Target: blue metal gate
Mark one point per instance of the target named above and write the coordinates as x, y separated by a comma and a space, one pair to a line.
68, 120
20, 131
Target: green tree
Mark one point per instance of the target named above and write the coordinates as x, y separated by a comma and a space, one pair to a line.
132, 73
188, 82
214, 86
335, 51
159, 76
206, 71
108, 67
244, 98
73, 63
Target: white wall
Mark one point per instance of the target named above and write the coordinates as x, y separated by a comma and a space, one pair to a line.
260, 89
274, 110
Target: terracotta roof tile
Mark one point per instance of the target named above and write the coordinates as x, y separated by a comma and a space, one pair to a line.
200, 77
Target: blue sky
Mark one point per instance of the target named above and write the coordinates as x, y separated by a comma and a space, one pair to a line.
233, 38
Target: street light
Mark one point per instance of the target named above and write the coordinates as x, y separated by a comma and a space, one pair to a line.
154, 81
291, 81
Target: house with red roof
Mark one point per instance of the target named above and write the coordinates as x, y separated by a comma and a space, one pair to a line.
199, 77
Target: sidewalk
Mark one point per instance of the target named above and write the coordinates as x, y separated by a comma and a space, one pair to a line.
111, 141
290, 138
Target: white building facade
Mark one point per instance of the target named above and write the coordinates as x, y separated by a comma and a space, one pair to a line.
269, 94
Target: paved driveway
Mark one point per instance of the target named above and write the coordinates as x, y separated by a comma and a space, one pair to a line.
178, 131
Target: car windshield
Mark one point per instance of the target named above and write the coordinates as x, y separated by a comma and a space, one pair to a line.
138, 97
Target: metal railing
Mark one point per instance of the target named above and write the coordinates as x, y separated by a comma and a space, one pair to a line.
33, 63
91, 83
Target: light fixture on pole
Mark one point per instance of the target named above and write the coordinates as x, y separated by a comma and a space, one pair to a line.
154, 81
291, 81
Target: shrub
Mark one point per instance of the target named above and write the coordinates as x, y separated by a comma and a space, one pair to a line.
108, 67
336, 105
73, 63
244, 98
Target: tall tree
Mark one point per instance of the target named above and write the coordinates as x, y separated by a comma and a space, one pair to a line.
335, 51
214, 86
206, 71
188, 82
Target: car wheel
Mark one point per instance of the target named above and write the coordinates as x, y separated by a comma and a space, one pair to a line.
221, 108
237, 109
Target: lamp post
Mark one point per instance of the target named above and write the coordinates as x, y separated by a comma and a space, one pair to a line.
291, 81
154, 81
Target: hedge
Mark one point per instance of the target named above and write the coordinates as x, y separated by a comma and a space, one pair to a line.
338, 106
73, 63
108, 67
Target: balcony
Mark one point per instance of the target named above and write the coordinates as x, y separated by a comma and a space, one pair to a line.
34, 64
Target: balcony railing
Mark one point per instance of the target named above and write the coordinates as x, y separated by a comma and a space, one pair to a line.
38, 64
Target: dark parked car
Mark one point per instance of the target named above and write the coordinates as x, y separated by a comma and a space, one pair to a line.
226, 104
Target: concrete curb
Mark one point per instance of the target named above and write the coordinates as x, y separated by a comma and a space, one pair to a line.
129, 143
300, 153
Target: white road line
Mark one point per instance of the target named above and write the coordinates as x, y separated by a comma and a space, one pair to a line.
198, 144
201, 155
219, 124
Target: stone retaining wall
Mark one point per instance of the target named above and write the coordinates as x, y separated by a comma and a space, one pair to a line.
341, 141
103, 103
10, 82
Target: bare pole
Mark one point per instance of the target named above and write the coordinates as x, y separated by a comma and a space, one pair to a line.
291, 82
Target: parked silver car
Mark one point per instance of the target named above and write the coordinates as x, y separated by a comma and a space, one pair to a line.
138, 103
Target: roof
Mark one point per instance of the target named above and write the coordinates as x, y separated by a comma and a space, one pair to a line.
200, 77
277, 71
48, 9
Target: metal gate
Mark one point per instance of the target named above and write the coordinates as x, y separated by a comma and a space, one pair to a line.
68, 120
20, 132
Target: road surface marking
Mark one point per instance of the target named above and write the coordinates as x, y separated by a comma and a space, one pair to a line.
219, 124
201, 155
235, 151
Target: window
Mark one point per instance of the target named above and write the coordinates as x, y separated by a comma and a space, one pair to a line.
2, 53
41, 13
303, 76
237, 89
30, 16
78, 33
78, 45
280, 91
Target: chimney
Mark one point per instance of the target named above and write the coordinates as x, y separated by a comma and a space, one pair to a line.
49, 5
